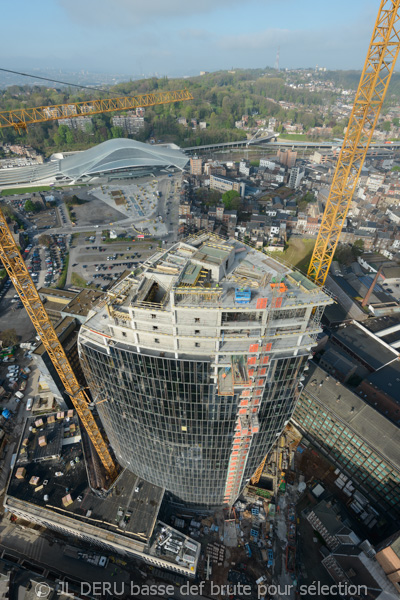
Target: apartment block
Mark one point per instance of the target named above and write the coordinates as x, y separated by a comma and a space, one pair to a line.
224, 184
287, 157
196, 165
130, 123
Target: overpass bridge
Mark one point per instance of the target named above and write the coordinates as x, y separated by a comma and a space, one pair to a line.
265, 142
238, 144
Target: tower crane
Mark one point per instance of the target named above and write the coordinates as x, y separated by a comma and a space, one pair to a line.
19, 274
374, 82
20, 118
378, 68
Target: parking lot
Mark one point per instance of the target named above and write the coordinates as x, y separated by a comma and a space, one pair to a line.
97, 263
146, 211
137, 200
13, 315
46, 264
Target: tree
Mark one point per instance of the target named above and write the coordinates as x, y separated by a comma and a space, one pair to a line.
344, 255
69, 137
45, 240
396, 122
62, 132
358, 248
231, 200
31, 206
8, 337
117, 132
386, 125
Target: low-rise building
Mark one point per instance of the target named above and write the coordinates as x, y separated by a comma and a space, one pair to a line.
354, 436
358, 574
326, 519
52, 485
381, 390
388, 556
224, 184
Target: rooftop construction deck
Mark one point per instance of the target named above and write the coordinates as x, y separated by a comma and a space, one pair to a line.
208, 272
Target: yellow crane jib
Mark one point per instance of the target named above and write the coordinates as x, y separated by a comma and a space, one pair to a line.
21, 117
19, 275
374, 82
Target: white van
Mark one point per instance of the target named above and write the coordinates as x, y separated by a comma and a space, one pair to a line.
29, 404
19, 395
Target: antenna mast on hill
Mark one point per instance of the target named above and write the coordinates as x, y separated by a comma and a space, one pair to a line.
277, 60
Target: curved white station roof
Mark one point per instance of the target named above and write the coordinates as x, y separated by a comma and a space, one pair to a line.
112, 155
121, 153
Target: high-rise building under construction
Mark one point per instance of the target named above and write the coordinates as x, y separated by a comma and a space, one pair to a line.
195, 364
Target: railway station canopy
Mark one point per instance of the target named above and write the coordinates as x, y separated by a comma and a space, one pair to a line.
121, 155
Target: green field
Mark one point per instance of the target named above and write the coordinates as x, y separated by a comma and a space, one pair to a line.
78, 280
28, 190
298, 253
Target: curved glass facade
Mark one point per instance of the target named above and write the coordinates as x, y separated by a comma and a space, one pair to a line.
166, 422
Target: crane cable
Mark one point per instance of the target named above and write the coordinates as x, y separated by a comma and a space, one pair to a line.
86, 87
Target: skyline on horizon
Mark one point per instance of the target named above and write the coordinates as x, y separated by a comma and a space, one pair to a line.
181, 39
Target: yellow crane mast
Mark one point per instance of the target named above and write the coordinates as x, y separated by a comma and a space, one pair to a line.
374, 82
21, 117
19, 275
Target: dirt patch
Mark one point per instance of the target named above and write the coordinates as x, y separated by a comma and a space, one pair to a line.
96, 212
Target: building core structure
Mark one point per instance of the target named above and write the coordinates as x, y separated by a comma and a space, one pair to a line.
195, 364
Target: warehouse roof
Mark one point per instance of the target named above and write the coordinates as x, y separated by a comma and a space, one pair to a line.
61, 464
364, 345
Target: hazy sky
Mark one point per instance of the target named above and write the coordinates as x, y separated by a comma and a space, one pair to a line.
174, 37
